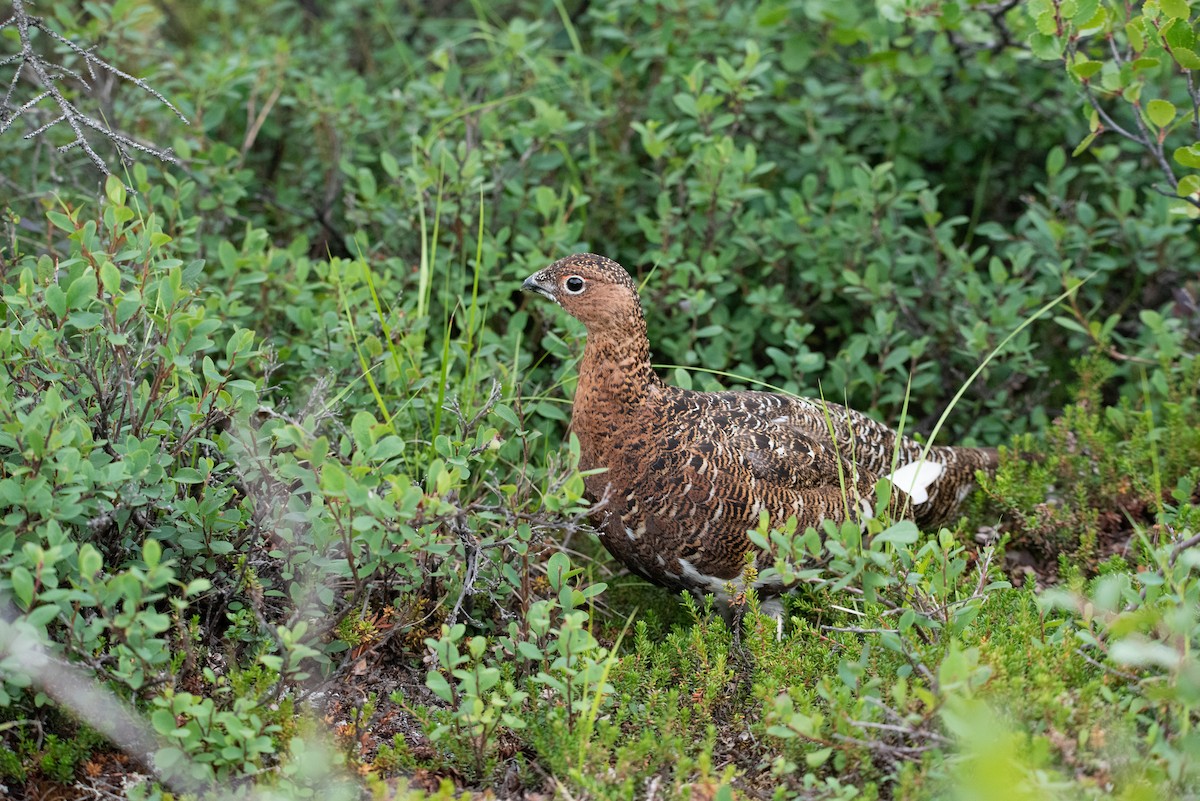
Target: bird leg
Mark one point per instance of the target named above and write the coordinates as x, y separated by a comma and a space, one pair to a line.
733, 614
773, 607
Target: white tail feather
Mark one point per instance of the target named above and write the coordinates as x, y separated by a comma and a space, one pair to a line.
915, 478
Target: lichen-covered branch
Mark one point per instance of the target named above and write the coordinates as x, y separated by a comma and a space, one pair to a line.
35, 68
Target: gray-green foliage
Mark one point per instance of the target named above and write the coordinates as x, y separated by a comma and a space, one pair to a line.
111, 415
1143, 627
283, 416
145, 482
551, 650
778, 180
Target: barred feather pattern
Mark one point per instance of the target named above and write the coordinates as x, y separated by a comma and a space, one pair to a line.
685, 475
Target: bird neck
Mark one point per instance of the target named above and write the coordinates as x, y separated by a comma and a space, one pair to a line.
616, 367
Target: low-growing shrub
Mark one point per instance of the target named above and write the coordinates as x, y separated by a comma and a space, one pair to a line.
284, 462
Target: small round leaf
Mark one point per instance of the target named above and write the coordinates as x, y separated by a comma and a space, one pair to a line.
1160, 112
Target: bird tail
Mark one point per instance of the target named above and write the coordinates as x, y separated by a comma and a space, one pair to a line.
914, 478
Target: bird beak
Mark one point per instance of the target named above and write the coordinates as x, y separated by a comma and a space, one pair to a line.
533, 285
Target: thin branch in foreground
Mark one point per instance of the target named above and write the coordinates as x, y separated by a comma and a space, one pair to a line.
124, 726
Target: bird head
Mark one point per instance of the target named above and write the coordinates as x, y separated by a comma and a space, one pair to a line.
594, 290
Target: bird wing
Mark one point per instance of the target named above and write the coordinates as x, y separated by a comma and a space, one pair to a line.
934, 479
746, 445
796, 440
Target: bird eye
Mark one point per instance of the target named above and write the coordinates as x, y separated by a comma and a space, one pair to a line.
574, 284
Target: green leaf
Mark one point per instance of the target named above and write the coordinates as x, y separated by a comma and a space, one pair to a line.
366, 183
115, 189
557, 569
1188, 185
110, 277
188, 475
782, 732
1178, 33
1098, 21
815, 759
904, 532
897, 359
56, 299
85, 321
545, 201
1084, 11
333, 478
436, 682
239, 343
227, 254
42, 615
82, 290
506, 414
687, 104
1084, 69
1188, 156
1177, 9
360, 427
389, 164
22, 584
1085, 144
1133, 31
1160, 112
197, 586
1056, 159
90, 561
129, 305
1045, 46
593, 590
530, 651
1070, 324
209, 368
769, 16
61, 220
151, 553
1186, 58
163, 721
389, 447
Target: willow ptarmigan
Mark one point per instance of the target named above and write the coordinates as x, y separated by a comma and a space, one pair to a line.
687, 473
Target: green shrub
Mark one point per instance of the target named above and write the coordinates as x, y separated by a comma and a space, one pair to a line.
115, 404
281, 424
1103, 471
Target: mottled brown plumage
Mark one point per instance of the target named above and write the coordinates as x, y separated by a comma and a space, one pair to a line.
687, 473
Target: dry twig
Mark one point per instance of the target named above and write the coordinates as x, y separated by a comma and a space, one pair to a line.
48, 75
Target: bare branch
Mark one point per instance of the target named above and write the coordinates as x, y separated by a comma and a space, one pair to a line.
96, 61
39, 131
1190, 542
37, 69
1194, 96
